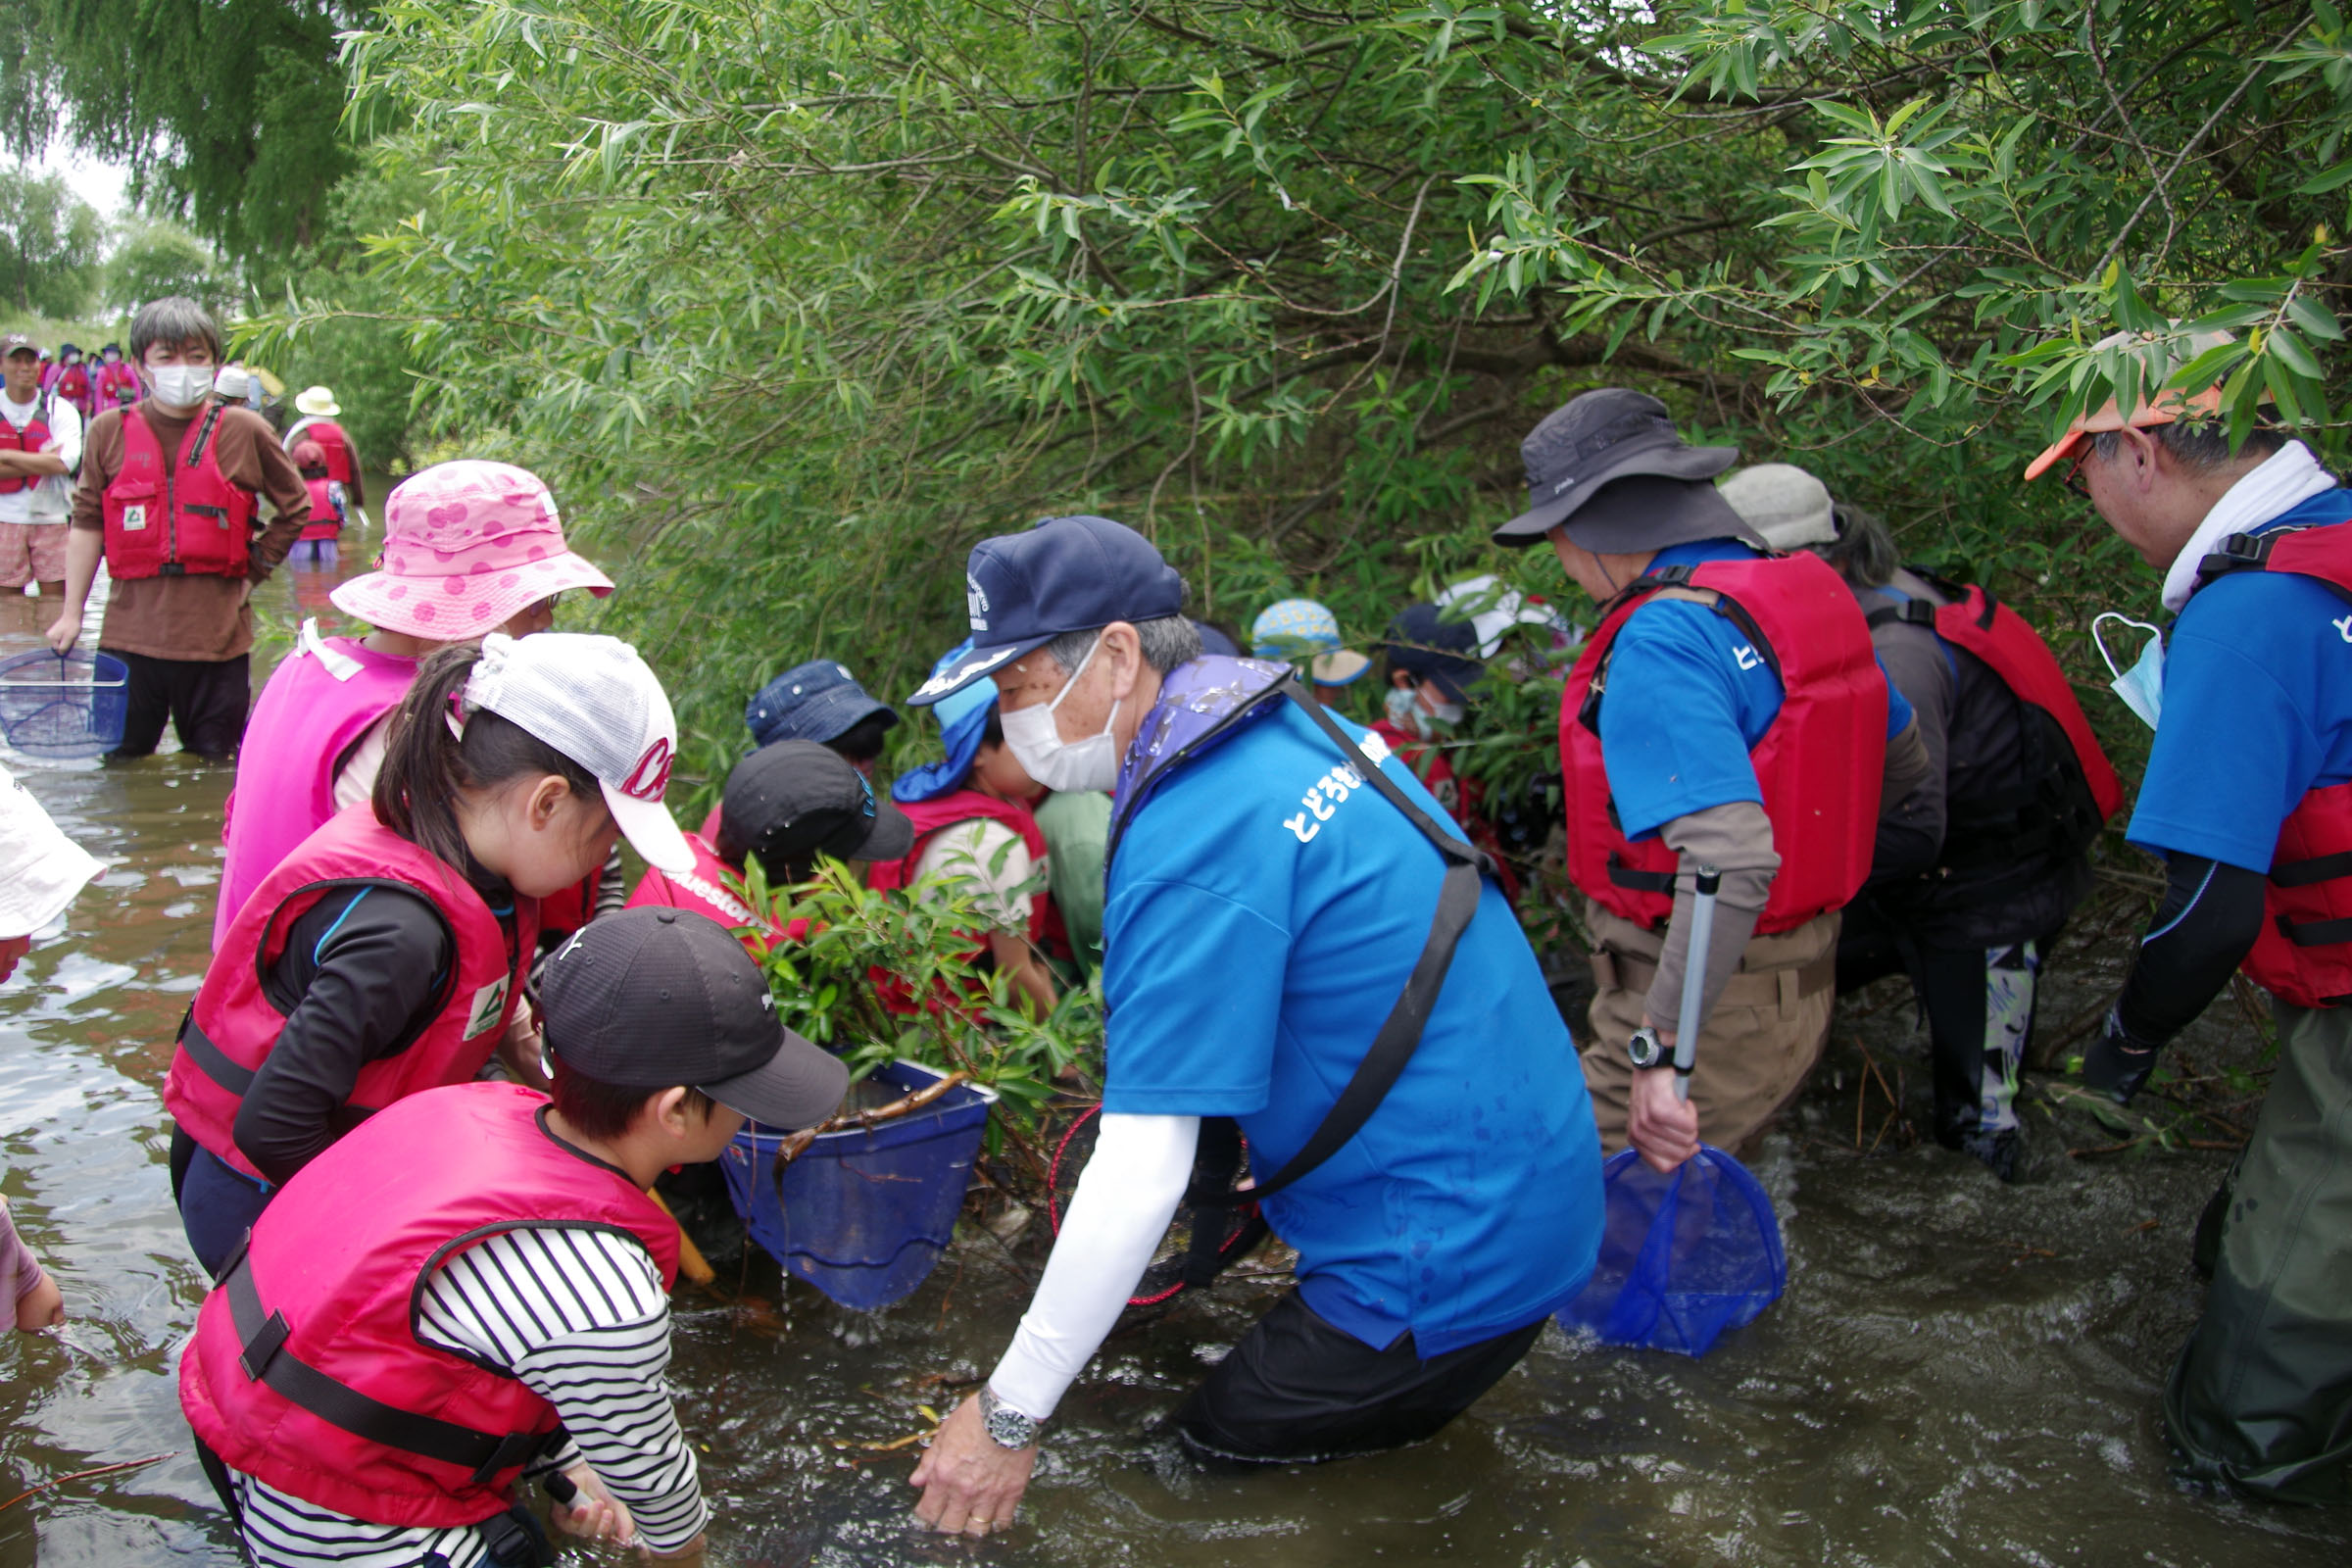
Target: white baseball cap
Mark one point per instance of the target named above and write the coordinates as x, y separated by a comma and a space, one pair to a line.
595, 701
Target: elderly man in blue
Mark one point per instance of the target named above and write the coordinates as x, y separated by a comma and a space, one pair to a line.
2249, 798
1728, 712
1269, 907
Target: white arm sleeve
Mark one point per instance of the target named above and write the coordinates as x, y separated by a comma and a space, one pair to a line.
1125, 1199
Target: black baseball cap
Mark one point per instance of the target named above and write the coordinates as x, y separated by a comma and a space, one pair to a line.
1062, 574
1592, 439
1426, 646
784, 803
652, 997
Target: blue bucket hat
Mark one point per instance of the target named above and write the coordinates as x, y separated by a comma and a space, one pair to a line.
962, 719
1064, 575
819, 700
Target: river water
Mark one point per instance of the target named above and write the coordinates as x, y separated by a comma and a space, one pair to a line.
1960, 1372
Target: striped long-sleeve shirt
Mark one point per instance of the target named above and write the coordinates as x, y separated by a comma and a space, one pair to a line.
580, 1317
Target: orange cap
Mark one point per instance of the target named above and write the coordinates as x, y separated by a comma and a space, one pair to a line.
2167, 407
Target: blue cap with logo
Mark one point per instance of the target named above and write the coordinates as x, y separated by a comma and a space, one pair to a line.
1064, 575
962, 720
819, 700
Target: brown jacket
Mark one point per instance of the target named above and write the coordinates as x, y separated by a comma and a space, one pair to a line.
197, 618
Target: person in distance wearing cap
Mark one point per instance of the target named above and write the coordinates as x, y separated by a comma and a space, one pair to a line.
182, 558
2248, 799
385, 955
1261, 887
1434, 673
41, 446
1745, 727
320, 410
387, 1359
822, 701
785, 805
1976, 869
469, 548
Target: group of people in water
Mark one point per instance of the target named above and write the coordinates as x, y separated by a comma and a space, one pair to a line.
428, 962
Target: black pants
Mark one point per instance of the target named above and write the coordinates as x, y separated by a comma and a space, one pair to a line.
205, 699
1296, 1391
1978, 1003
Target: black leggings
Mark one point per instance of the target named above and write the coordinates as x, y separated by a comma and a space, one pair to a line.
1296, 1391
204, 700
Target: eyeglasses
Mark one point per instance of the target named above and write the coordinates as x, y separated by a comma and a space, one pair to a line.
2074, 472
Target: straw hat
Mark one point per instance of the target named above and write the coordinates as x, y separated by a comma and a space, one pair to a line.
317, 403
467, 546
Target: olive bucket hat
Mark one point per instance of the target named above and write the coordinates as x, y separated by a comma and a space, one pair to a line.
1604, 436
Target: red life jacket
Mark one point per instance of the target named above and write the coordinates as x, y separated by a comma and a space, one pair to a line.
1819, 765
2304, 954
180, 519
326, 520
236, 1020
119, 384
306, 1371
73, 384
340, 464
31, 438
934, 817
705, 891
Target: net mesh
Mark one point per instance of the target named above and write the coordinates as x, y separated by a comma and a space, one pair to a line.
72, 704
1684, 1257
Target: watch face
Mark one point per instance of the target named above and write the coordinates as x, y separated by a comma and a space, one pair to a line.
1011, 1429
1644, 1048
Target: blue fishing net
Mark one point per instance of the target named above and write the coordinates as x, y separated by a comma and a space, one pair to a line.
1684, 1257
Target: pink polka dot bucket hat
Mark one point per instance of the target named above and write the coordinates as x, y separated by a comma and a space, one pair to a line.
467, 546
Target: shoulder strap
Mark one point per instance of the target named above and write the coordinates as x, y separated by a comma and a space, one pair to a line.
1400, 1032
262, 1337
1911, 612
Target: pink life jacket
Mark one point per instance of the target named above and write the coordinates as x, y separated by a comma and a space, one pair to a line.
234, 1024
306, 1371
705, 891
319, 702
1819, 766
326, 518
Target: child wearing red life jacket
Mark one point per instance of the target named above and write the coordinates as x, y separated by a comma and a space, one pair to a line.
474, 1285
973, 829
469, 548
784, 805
330, 509
386, 953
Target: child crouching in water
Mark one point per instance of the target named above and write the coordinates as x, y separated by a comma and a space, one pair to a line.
385, 955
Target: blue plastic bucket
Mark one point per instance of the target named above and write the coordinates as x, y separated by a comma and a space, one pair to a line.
866, 1212
71, 705
1685, 1258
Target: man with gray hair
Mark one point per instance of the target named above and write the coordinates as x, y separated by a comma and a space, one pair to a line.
1276, 881
169, 498
2248, 799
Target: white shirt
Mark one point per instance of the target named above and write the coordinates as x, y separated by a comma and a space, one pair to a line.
51, 500
990, 861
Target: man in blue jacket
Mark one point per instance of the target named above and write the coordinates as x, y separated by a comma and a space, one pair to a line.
1268, 906
2249, 798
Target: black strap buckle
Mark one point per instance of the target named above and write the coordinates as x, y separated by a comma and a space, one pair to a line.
262, 1347
2240, 551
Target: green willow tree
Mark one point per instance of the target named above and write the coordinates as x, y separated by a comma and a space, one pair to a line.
794, 299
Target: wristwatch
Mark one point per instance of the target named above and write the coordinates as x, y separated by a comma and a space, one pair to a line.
1007, 1426
1646, 1050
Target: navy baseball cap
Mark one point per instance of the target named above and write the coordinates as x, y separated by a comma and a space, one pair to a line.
1064, 575
1427, 645
819, 700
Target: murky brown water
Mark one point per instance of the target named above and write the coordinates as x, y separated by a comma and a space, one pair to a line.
1960, 1372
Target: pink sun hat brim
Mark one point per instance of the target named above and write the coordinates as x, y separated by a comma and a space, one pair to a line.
467, 546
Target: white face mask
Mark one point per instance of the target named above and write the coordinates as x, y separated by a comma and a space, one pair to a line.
1406, 713
1092, 763
180, 386
2141, 687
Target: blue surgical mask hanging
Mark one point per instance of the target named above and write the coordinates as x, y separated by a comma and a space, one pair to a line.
2141, 687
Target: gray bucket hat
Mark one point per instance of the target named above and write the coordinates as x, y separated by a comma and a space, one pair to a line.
1599, 438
